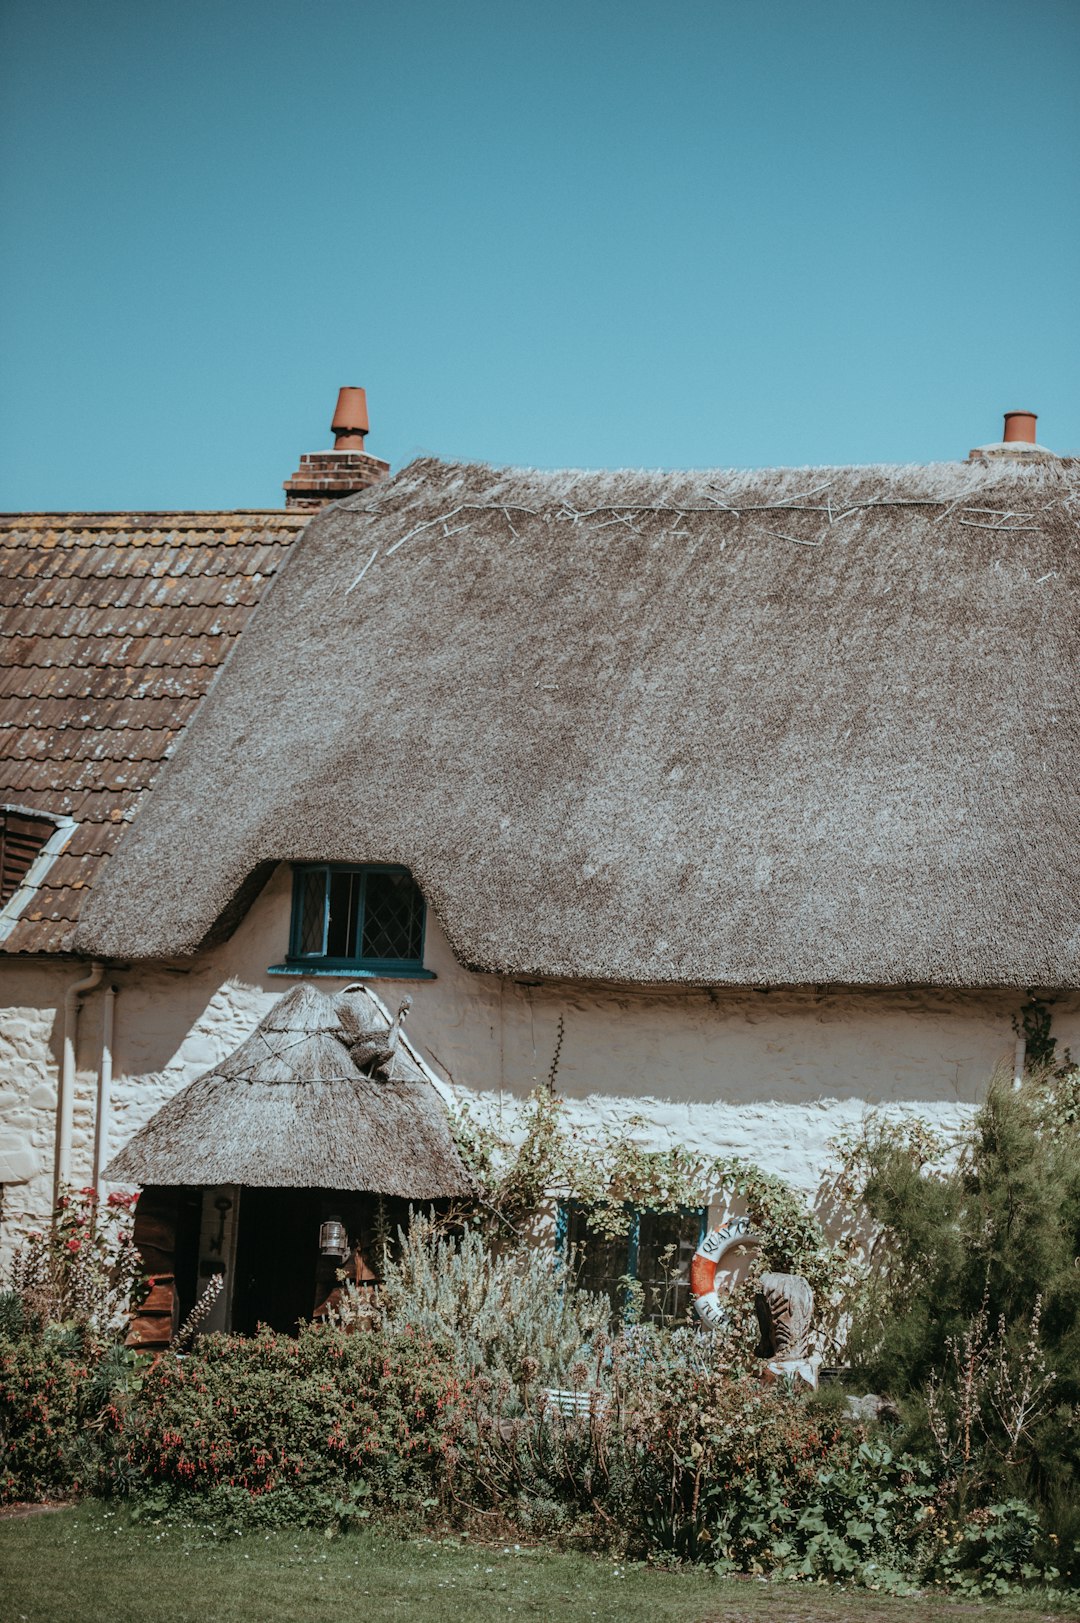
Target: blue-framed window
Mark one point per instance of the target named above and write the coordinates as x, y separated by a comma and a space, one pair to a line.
657, 1252
368, 919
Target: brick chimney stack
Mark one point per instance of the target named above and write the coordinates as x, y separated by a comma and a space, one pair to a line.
327, 476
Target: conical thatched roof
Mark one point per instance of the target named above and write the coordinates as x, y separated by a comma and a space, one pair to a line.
780, 727
312, 1100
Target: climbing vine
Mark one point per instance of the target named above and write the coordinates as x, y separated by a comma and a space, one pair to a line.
537, 1156
1035, 1024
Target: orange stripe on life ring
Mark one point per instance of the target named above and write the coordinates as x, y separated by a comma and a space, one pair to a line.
707, 1259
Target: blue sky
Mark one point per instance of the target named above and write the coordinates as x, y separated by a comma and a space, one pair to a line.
588, 234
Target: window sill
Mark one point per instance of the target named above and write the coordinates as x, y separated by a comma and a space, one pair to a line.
354, 974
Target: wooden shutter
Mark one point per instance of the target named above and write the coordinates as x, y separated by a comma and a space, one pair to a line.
21, 838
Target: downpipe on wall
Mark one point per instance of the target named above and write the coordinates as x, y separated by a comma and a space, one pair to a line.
1019, 1060
104, 1092
65, 1104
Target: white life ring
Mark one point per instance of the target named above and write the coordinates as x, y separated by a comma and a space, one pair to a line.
707, 1258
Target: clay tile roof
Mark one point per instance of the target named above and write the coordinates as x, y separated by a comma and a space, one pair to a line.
112, 627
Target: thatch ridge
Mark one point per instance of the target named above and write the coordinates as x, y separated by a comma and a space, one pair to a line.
297, 1107
784, 726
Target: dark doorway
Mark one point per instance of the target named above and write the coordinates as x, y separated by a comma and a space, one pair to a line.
277, 1254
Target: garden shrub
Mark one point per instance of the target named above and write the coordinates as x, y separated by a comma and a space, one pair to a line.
60, 1397
64, 1377
997, 1551
681, 1456
82, 1269
970, 1314
272, 1428
501, 1311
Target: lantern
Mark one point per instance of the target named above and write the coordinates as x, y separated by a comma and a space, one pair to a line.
333, 1241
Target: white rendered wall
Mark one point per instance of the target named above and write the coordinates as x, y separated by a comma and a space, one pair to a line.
773, 1076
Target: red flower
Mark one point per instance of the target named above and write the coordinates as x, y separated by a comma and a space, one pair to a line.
90, 1192
74, 1245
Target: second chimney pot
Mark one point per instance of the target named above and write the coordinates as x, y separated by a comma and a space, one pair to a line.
1020, 427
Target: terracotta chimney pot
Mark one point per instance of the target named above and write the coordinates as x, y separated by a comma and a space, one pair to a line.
1020, 426
350, 420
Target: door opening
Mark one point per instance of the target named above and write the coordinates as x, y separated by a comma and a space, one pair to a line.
277, 1253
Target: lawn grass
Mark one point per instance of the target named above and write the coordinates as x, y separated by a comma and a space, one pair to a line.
90, 1564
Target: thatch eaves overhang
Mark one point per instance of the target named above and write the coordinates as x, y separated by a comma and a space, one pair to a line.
311, 1100
769, 728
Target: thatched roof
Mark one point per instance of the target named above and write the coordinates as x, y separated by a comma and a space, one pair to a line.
791, 726
316, 1098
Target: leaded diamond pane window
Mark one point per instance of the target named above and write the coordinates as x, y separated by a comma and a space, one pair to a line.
311, 897
393, 917
362, 918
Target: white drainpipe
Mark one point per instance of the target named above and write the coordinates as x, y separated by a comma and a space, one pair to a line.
104, 1092
1019, 1060
65, 1104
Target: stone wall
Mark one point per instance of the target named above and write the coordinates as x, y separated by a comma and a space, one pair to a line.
771, 1075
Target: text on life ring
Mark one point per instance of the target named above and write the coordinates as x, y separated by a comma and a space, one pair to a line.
707, 1259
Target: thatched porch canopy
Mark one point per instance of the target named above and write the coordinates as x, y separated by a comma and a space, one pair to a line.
768, 728
326, 1093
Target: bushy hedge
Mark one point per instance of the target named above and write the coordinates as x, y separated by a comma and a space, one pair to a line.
682, 1458
277, 1429
60, 1391
970, 1313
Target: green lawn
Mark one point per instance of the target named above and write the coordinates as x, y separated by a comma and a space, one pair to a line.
90, 1565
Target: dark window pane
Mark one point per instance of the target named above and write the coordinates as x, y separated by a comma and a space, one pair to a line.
600, 1262
393, 918
312, 908
341, 929
666, 1244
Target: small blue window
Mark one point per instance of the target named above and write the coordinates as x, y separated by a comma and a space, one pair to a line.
369, 919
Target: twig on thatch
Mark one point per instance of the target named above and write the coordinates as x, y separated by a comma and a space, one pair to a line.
798, 503
998, 529
782, 535
803, 494
951, 508
718, 503
363, 571
425, 524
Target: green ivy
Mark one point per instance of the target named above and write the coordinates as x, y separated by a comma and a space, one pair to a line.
1035, 1024
538, 1156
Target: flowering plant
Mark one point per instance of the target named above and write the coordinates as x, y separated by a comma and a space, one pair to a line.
83, 1268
